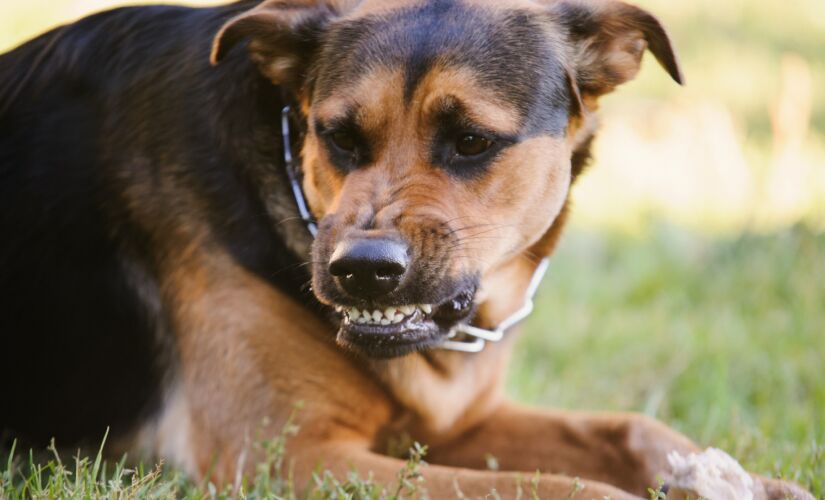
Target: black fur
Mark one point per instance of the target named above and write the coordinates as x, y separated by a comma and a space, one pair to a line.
118, 114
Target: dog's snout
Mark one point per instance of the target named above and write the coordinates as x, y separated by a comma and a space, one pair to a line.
369, 268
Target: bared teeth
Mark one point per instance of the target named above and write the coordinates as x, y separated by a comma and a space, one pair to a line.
387, 316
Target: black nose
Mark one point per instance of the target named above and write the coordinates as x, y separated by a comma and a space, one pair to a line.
369, 267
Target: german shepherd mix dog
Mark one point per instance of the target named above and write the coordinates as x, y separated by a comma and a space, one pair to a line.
158, 268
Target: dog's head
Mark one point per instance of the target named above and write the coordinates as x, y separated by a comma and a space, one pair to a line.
439, 140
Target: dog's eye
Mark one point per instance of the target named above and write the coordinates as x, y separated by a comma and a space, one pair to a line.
344, 140
472, 145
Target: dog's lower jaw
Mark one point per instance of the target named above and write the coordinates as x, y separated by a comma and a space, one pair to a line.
374, 342
398, 331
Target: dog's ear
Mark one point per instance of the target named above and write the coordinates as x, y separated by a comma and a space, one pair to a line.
282, 35
608, 39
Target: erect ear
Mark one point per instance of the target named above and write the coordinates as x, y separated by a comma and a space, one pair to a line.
608, 39
283, 37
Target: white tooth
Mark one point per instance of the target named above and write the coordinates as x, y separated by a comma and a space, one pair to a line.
385, 322
361, 320
398, 318
390, 312
354, 313
427, 308
407, 310
376, 316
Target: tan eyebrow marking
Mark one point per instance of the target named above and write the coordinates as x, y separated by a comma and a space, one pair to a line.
370, 92
479, 103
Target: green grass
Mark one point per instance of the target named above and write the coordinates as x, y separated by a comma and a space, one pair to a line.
41, 476
724, 339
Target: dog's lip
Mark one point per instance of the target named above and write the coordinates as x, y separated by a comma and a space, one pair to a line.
373, 334
403, 332
392, 331
415, 333
452, 310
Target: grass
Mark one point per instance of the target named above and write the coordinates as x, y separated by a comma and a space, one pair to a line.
38, 477
721, 338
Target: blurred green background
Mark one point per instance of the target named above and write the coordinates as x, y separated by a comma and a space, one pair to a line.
691, 285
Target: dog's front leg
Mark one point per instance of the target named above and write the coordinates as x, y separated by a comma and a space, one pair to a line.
627, 450
247, 353
445, 482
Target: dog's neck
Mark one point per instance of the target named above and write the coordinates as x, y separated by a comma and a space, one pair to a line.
443, 393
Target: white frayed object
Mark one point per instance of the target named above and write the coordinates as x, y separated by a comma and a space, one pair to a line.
713, 474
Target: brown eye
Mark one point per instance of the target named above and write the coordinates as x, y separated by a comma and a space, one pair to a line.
344, 140
472, 145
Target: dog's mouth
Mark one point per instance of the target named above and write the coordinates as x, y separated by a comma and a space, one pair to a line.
396, 330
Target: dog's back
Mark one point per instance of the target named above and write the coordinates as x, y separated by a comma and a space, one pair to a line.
87, 113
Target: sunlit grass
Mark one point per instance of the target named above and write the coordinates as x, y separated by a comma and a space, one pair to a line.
53, 476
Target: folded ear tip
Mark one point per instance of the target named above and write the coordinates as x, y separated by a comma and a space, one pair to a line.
663, 51
677, 75
673, 68
659, 43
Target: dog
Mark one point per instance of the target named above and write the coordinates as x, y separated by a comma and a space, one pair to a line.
212, 214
